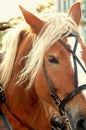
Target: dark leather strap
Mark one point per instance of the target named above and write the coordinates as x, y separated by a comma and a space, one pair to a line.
53, 93
69, 49
29, 127
71, 95
77, 90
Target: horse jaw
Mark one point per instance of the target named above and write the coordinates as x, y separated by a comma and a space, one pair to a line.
75, 12
32, 20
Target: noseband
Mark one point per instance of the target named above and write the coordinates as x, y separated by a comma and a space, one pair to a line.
56, 122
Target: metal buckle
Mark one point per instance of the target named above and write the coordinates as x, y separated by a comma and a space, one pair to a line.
57, 123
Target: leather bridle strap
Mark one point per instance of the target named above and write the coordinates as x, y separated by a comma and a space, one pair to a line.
71, 95
61, 103
53, 92
19, 119
73, 34
75, 59
73, 53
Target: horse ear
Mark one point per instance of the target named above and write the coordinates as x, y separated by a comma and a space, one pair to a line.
32, 20
75, 12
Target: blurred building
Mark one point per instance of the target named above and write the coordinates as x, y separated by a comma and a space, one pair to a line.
64, 5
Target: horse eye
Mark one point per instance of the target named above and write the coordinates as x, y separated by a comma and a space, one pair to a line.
52, 59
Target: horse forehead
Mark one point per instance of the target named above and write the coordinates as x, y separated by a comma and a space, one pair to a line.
58, 48
79, 53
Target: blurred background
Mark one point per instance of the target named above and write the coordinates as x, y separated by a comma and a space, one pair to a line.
10, 13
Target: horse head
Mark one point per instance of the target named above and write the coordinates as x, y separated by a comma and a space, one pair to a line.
50, 65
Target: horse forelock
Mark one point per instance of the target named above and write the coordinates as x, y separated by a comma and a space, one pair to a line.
51, 32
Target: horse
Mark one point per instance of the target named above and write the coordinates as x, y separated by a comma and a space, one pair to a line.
43, 73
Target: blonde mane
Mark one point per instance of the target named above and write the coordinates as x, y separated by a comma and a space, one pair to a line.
57, 25
9, 48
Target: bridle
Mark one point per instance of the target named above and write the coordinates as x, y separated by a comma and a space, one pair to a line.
57, 123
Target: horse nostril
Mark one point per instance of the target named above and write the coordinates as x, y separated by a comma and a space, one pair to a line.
81, 124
